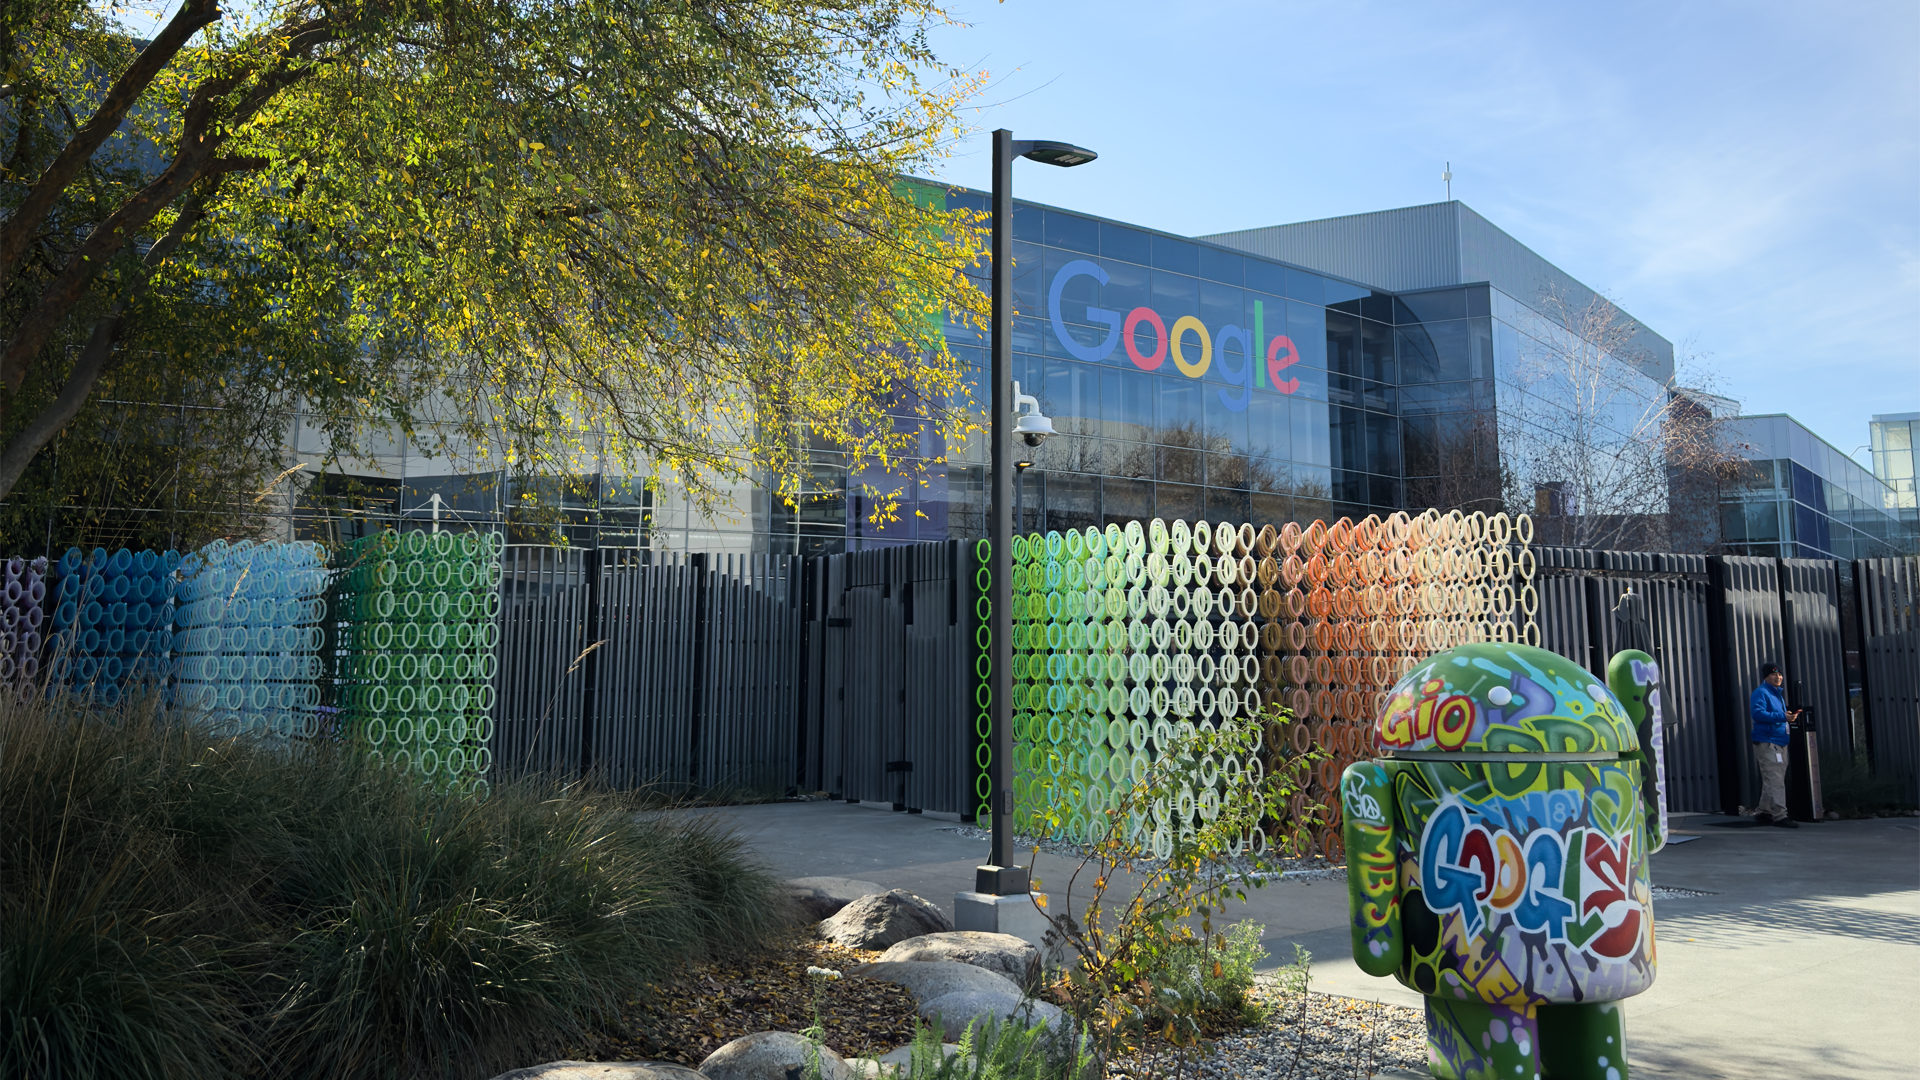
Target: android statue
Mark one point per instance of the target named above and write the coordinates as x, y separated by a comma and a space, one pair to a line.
1497, 856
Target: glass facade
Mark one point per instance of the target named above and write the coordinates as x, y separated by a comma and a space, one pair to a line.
1800, 497
1189, 380
1895, 441
1193, 380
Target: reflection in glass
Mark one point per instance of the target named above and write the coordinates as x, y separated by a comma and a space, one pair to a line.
1123, 500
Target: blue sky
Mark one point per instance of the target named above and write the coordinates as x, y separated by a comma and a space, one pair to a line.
1743, 178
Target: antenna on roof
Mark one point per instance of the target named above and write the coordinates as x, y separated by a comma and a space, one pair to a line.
1447, 176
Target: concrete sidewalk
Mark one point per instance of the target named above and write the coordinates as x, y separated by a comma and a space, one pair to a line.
1803, 962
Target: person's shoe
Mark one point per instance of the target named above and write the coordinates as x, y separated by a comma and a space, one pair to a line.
1763, 818
1786, 823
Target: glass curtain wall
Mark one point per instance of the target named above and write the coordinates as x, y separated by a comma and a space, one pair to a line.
1800, 497
1187, 381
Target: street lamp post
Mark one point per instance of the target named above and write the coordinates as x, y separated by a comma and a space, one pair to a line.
1001, 876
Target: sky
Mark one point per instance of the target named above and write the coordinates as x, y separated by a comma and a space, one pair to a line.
1742, 178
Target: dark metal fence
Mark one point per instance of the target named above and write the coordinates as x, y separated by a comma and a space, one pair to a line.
1887, 598
1596, 603
856, 674
891, 713
1814, 655
650, 668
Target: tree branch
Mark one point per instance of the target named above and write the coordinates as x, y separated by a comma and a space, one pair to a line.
193, 162
18, 229
95, 358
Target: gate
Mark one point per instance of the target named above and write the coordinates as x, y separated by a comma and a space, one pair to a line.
893, 712
1596, 603
1888, 601
649, 668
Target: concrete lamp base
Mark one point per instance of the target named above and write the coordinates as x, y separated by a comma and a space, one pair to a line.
1018, 915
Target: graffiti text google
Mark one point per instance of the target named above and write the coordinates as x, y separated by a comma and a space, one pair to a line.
1175, 341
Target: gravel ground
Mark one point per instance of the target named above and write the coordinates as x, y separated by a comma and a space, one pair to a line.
1315, 1037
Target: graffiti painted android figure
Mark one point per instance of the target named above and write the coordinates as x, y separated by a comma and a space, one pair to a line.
1497, 856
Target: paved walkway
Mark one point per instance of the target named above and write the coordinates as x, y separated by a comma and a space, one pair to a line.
1804, 961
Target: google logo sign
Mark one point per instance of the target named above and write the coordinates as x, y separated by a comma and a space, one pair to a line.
1187, 331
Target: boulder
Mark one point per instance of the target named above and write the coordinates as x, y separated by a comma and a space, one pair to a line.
603, 1070
870, 1069
823, 897
770, 1055
956, 1010
884, 920
929, 979
1002, 954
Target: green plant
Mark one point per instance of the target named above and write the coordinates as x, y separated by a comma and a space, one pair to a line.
1215, 980
1151, 967
176, 903
998, 1051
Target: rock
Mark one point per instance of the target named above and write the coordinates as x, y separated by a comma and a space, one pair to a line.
603, 1070
870, 1069
1002, 954
770, 1055
884, 920
929, 979
956, 1010
823, 897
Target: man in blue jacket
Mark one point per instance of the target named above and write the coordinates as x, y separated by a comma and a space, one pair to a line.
1768, 708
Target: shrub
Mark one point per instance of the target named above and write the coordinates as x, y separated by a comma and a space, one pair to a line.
1145, 965
175, 903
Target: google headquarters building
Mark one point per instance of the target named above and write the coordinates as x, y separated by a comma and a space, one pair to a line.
1342, 367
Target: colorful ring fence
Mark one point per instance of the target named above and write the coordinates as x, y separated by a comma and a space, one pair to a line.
1127, 638
414, 637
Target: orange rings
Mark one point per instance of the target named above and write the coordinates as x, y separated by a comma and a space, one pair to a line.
1317, 570
1293, 571
1341, 569
1323, 704
1344, 636
1320, 602
1323, 669
1346, 602
1296, 603
1323, 636
1328, 776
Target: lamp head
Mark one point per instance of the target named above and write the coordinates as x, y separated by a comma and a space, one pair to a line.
1065, 155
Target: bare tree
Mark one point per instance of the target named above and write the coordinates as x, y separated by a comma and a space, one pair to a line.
1592, 444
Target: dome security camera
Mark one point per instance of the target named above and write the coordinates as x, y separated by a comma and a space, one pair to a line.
1029, 423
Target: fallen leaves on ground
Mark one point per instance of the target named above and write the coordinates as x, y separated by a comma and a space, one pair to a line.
708, 1005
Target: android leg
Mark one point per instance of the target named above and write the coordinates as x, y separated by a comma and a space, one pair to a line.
1469, 1039
1583, 1042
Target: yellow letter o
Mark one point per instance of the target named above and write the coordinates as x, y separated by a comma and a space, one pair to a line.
1180, 327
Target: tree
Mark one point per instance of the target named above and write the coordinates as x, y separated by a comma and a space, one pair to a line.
668, 234
1590, 444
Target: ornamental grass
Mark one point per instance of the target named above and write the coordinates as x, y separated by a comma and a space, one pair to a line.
175, 902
